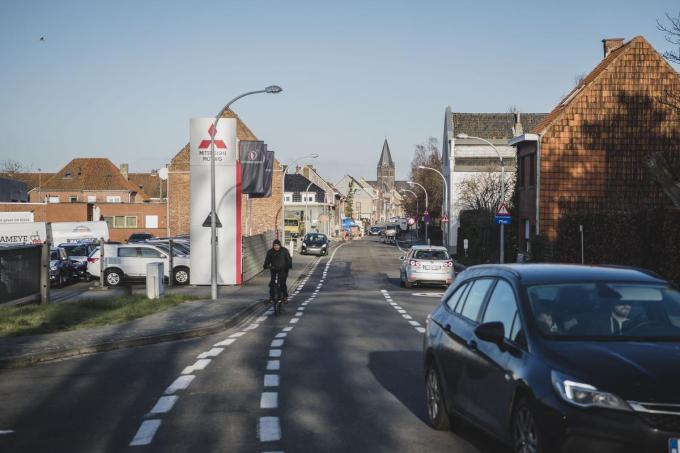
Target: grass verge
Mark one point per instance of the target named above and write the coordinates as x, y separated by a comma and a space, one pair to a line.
38, 319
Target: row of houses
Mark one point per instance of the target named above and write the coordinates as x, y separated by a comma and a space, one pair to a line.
158, 202
590, 153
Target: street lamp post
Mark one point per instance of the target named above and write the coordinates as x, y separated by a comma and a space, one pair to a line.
446, 188
283, 189
307, 207
273, 89
413, 183
464, 136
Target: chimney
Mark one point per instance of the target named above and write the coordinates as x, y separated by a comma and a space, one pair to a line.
611, 44
124, 170
517, 129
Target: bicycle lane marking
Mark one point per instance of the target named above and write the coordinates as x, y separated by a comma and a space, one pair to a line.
404, 314
148, 428
269, 424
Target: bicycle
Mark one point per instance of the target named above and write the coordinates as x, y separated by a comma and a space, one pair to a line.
278, 300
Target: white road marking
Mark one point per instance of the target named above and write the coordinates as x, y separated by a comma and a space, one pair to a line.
261, 319
252, 326
226, 342
269, 400
164, 404
427, 294
277, 343
402, 311
274, 353
214, 352
407, 316
271, 380
237, 334
199, 365
145, 433
273, 365
301, 308
269, 429
298, 314
414, 323
181, 383
294, 320
421, 329
281, 335
287, 329
6, 431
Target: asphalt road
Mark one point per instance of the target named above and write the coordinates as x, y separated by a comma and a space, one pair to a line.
340, 370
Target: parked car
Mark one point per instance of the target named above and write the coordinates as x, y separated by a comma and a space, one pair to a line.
182, 247
375, 231
61, 269
139, 237
553, 358
389, 234
128, 262
78, 252
315, 244
424, 264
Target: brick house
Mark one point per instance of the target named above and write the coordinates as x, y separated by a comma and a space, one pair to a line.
589, 153
93, 189
259, 214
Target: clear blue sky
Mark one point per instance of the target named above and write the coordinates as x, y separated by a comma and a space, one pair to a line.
121, 79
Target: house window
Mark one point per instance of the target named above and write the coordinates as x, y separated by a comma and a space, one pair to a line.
72, 199
123, 221
532, 170
151, 221
297, 198
109, 222
308, 198
288, 198
112, 199
91, 198
53, 199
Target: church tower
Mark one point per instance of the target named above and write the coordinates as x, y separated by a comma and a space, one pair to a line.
385, 169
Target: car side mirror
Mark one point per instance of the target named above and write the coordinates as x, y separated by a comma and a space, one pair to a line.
493, 332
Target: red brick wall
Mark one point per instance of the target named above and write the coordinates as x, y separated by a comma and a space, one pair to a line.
139, 210
39, 196
592, 155
51, 212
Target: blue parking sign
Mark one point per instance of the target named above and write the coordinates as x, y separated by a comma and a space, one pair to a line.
673, 445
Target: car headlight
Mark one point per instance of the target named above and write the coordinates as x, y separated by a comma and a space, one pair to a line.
53, 268
585, 395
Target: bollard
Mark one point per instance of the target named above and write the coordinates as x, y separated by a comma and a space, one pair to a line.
171, 266
101, 262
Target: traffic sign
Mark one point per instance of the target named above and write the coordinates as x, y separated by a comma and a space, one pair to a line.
208, 222
445, 218
503, 211
502, 220
426, 217
411, 221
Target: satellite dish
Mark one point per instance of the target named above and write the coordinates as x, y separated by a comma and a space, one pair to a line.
163, 173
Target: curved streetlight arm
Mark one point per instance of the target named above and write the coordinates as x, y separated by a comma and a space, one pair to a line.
446, 184
424, 190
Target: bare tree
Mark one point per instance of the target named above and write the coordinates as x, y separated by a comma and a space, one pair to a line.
428, 155
671, 27
12, 166
482, 192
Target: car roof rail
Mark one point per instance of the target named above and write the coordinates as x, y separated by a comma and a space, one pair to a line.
498, 267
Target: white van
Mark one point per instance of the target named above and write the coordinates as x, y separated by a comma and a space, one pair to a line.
128, 262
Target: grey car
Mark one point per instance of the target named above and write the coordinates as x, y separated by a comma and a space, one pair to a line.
424, 264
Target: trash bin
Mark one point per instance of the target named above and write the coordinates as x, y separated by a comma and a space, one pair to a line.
154, 280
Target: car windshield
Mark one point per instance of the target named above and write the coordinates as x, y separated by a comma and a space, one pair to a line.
315, 238
76, 250
166, 249
431, 255
54, 255
606, 311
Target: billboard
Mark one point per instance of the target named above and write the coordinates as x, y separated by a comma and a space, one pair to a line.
227, 200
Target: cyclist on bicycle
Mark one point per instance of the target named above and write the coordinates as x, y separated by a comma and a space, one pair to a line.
279, 262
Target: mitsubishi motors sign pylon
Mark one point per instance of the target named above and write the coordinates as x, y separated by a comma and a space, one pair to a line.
227, 196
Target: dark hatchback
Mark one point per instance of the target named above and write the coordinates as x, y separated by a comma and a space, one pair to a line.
558, 358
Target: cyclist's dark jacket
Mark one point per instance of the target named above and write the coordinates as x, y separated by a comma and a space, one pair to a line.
278, 261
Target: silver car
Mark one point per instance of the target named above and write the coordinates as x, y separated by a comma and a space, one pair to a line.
425, 264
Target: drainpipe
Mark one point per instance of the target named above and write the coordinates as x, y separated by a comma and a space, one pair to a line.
538, 183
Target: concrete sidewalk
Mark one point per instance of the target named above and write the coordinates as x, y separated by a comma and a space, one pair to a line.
189, 319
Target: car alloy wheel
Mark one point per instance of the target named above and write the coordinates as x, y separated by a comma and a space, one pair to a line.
182, 276
524, 431
112, 278
436, 410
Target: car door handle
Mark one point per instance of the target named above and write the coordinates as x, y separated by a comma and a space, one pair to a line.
472, 344
447, 328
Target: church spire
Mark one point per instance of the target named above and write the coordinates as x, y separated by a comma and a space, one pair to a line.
386, 156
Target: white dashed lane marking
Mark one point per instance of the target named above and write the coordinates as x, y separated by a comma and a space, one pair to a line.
269, 429
402, 312
164, 404
271, 380
181, 383
145, 433
269, 400
214, 352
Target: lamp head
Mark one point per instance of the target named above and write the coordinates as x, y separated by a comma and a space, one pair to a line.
462, 135
314, 155
422, 167
273, 89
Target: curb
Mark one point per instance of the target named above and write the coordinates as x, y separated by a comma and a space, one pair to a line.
41, 357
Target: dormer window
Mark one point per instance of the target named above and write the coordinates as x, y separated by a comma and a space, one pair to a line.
67, 174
